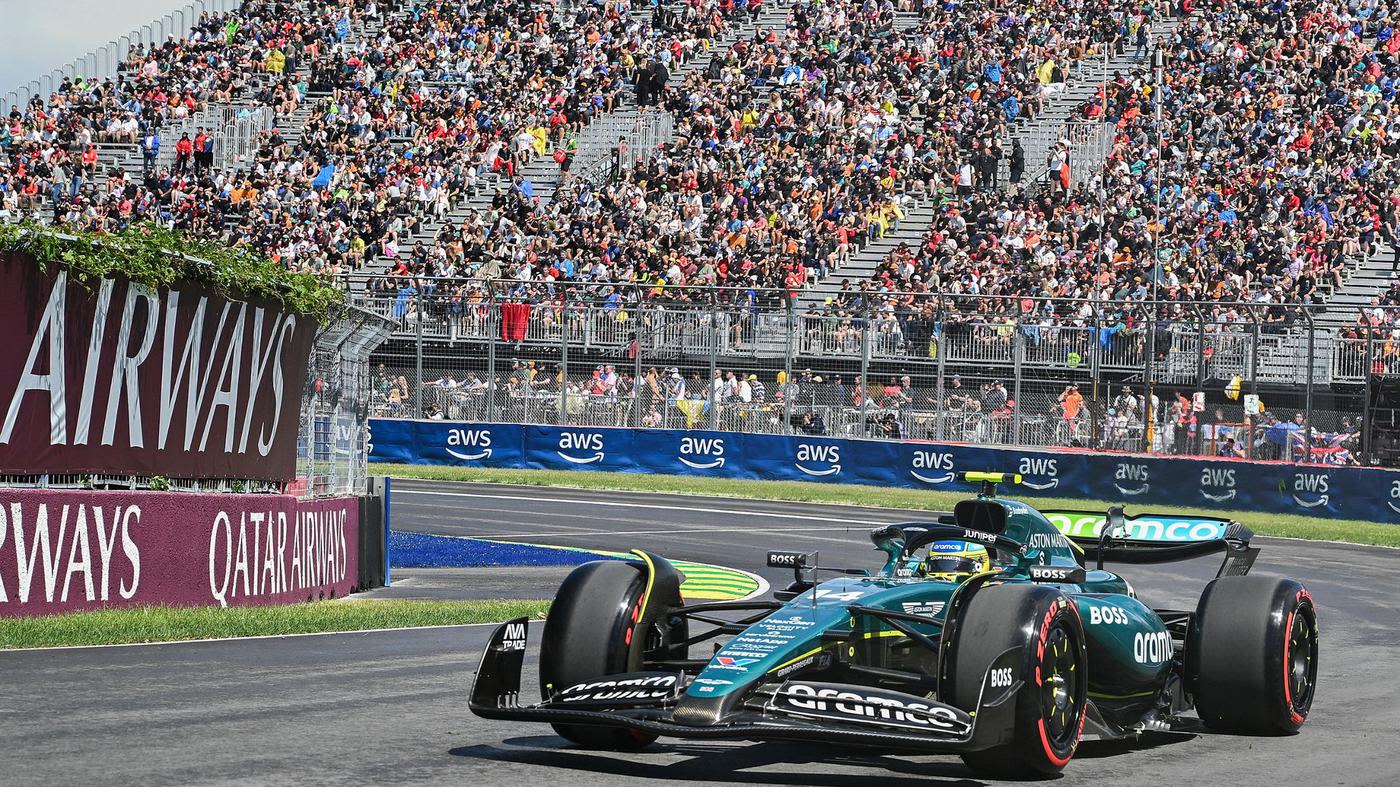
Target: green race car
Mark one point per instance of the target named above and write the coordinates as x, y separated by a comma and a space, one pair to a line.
986, 633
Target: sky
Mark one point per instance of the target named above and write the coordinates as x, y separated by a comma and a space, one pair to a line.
37, 36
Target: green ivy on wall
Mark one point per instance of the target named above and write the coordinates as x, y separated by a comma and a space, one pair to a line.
155, 257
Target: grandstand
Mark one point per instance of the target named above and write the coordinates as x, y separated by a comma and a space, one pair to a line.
988, 169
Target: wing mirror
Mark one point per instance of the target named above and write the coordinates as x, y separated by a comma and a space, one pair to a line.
1113, 522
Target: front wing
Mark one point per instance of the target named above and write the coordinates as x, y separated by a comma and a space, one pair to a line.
780, 709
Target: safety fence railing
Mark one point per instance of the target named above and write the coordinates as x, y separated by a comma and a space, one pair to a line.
1167, 378
1086, 143
625, 142
103, 62
237, 133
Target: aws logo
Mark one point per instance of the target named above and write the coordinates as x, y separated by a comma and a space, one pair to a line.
939, 462
576, 442
1039, 466
705, 453
1130, 478
818, 454
469, 444
1394, 496
1313, 485
1218, 483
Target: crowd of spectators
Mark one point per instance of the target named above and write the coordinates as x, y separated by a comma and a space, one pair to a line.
49, 158
799, 143
408, 114
1273, 172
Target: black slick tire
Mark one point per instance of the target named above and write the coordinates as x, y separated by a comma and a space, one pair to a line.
1252, 655
1050, 706
585, 637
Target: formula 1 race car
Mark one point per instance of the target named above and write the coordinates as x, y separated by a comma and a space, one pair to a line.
985, 634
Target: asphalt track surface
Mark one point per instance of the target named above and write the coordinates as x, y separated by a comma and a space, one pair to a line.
391, 706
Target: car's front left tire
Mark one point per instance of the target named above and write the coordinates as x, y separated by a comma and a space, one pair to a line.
587, 636
1050, 707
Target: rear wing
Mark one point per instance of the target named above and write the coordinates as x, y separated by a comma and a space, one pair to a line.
1156, 538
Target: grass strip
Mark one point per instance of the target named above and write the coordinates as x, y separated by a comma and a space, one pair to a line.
1267, 524
165, 624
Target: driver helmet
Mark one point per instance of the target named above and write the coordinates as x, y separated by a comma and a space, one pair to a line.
954, 561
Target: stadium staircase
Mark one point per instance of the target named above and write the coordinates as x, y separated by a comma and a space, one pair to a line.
1365, 280
1038, 138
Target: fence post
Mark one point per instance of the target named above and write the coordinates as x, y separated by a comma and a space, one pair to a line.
564, 363
418, 353
1254, 355
1366, 397
864, 370
940, 339
1018, 350
1095, 372
789, 319
1200, 347
709, 325
492, 321
1308, 391
637, 392
1148, 428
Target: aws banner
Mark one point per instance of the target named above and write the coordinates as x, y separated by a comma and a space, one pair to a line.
111, 377
1315, 490
71, 550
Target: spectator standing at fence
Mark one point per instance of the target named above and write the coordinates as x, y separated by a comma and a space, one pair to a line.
994, 397
675, 387
1126, 403
1229, 449
858, 392
1071, 403
620, 158
652, 419
1179, 414
759, 394
1018, 161
959, 398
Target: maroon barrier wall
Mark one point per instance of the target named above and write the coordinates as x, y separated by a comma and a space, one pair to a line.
68, 551
111, 377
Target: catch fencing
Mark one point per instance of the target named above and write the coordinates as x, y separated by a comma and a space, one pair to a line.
1256, 381
333, 445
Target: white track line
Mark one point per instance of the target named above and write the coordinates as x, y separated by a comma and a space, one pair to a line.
618, 504
676, 531
208, 640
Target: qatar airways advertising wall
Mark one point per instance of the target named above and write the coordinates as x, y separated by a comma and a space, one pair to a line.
108, 376
70, 551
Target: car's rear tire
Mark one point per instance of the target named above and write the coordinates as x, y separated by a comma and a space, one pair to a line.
1049, 711
586, 637
1252, 655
